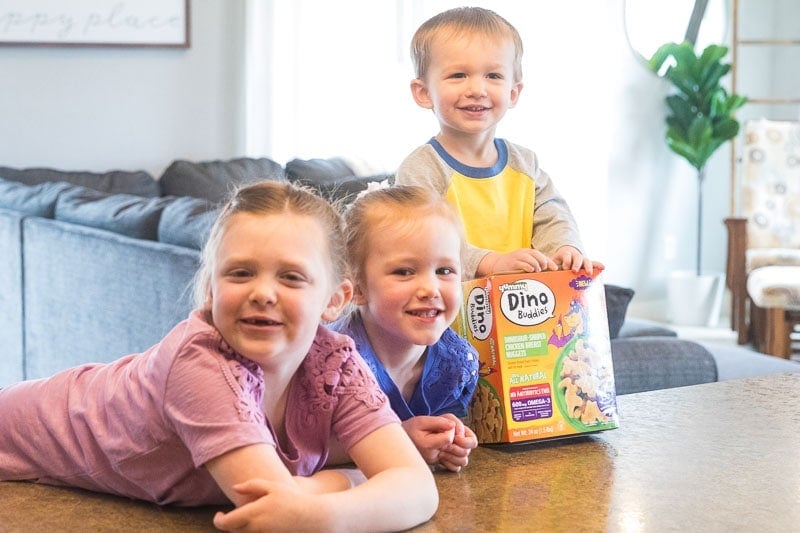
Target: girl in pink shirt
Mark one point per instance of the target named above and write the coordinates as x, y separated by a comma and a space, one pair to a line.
242, 401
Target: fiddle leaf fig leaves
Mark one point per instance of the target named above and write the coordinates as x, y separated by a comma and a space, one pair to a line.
701, 110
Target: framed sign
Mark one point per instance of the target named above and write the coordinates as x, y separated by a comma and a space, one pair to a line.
145, 23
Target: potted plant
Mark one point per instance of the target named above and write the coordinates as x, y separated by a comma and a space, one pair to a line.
701, 112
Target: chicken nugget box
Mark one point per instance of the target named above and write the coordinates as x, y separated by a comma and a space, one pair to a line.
545, 356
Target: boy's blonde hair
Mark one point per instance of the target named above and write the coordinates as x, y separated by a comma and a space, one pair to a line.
273, 198
371, 213
459, 21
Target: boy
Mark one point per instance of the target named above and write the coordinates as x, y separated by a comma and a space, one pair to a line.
468, 67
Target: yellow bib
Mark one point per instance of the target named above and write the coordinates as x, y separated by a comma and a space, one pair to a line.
497, 212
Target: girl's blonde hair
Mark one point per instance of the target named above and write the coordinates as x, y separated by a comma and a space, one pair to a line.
460, 21
273, 198
373, 212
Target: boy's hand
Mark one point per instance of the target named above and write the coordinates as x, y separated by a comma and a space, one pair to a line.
525, 259
570, 258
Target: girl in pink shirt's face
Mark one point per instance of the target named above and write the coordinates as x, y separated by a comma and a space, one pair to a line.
270, 287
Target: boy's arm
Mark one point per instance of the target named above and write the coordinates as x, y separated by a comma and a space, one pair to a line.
553, 223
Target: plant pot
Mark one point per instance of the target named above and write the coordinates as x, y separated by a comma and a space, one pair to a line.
695, 300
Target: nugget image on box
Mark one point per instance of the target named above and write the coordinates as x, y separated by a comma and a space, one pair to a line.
545, 356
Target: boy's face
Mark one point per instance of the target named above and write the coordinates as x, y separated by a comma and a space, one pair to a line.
410, 290
470, 83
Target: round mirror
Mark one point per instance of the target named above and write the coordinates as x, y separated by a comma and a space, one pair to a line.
651, 23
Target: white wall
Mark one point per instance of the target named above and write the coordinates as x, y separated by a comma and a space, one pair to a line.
131, 108
652, 193
105, 108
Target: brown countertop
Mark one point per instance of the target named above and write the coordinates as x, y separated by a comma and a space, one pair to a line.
28, 507
716, 457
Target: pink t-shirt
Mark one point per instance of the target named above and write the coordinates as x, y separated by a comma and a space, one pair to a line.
144, 425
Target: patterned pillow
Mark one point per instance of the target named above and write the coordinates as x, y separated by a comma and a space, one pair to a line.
771, 183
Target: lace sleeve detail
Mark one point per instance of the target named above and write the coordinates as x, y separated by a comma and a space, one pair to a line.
454, 369
246, 380
336, 371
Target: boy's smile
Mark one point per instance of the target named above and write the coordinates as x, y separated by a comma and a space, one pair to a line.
469, 85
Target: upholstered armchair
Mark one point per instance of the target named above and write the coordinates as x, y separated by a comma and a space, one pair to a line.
763, 264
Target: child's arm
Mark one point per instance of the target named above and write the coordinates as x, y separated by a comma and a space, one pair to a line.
261, 461
530, 260
570, 258
397, 478
524, 259
554, 226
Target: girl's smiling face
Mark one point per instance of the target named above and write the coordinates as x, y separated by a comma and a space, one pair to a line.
410, 290
270, 288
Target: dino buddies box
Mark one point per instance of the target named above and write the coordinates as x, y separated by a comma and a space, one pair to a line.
545, 356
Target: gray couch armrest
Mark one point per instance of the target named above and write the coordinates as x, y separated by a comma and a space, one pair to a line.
734, 362
649, 363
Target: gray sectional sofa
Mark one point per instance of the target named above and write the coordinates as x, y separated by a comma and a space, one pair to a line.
98, 265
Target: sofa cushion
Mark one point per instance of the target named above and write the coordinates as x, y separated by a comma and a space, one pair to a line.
649, 363
216, 180
34, 200
139, 183
775, 286
187, 221
333, 178
617, 300
125, 214
318, 171
344, 190
642, 327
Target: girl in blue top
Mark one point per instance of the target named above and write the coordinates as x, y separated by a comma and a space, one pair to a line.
404, 247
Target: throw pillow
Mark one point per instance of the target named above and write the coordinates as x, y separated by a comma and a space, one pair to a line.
33, 200
139, 183
617, 300
216, 180
187, 221
316, 172
333, 178
126, 214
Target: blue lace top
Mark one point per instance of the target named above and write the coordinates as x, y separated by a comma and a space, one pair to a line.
448, 378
